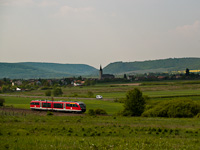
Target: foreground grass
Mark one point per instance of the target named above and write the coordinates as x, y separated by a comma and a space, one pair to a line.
25, 131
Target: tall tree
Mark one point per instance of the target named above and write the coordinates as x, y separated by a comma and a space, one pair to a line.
134, 104
125, 77
187, 72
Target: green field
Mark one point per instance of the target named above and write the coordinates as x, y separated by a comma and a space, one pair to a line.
24, 131
152, 89
28, 131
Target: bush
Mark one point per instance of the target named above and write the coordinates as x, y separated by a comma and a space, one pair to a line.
174, 109
2, 101
46, 88
57, 92
48, 93
99, 111
91, 112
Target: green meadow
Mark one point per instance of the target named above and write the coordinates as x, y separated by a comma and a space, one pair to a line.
28, 131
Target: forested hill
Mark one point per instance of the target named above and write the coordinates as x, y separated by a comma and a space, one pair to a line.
29, 70
161, 65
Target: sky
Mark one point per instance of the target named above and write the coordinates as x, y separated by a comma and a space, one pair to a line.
98, 32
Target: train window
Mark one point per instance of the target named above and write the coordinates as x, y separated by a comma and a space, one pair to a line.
33, 103
69, 105
46, 104
58, 105
74, 105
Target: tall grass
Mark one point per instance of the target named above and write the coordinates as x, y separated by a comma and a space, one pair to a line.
101, 132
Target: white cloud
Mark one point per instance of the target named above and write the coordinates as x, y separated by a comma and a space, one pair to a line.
189, 30
67, 10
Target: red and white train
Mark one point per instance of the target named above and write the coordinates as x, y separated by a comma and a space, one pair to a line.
67, 106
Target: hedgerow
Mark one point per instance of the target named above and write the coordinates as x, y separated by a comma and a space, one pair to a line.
2, 100
97, 111
174, 109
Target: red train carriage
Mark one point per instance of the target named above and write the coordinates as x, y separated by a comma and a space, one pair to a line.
67, 106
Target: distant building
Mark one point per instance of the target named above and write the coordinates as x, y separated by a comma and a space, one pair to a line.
130, 77
18, 89
105, 76
78, 83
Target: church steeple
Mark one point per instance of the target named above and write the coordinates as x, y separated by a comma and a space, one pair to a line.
100, 73
100, 67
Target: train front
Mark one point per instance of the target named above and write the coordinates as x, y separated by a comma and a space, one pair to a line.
83, 107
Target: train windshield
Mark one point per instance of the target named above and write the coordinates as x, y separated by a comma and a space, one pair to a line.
83, 106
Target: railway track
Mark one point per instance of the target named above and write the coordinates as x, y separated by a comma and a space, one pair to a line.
20, 111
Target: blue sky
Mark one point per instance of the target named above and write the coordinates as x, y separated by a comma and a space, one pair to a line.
98, 32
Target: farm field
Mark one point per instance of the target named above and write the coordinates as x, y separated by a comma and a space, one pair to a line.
26, 131
21, 130
113, 91
156, 91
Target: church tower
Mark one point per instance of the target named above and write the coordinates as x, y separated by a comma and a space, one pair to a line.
100, 73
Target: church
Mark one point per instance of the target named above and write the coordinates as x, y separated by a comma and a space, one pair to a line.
104, 76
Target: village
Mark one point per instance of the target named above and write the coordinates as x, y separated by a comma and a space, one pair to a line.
12, 85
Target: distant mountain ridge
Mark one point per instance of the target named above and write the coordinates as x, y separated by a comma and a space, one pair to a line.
161, 65
28, 70
43, 70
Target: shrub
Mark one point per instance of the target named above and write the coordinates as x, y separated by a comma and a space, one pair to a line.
46, 88
91, 112
57, 92
99, 111
2, 100
174, 109
48, 93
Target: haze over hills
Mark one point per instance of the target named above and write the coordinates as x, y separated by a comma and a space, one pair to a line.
27, 70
